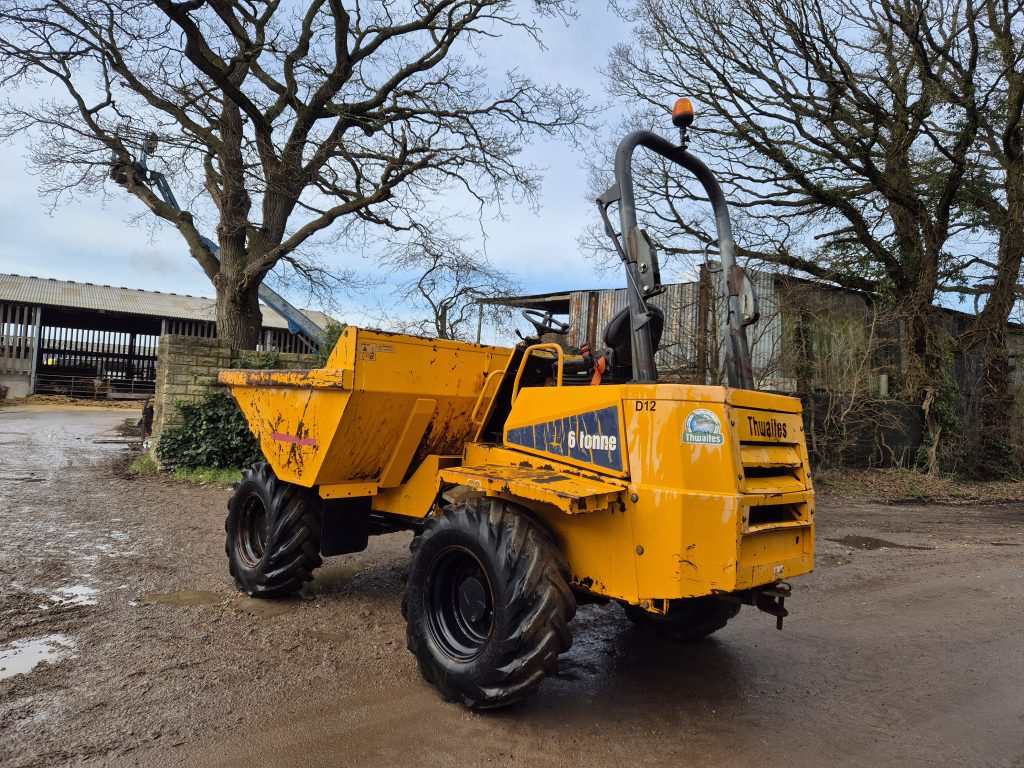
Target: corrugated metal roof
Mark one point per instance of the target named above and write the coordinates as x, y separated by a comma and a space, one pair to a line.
47, 292
557, 301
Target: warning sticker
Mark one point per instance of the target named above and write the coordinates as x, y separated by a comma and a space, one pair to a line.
368, 351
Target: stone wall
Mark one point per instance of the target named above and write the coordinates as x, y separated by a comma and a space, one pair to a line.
16, 384
187, 367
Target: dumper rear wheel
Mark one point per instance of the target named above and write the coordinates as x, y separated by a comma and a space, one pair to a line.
487, 603
687, 619
273, 534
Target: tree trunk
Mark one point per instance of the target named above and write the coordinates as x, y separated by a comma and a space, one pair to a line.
926, 377
239, 320
996, 434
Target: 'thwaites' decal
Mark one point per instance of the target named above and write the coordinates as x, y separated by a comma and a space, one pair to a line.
769, 428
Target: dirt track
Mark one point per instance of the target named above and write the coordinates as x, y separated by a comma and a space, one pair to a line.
892, 657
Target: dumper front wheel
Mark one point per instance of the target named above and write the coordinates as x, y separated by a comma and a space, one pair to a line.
687, 619
487, 603
273, 534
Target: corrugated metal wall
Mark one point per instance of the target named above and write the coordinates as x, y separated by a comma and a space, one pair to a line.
764, 337
683, 355
677, 358
837, 328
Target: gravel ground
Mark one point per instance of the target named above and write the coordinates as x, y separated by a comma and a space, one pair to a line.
904, 648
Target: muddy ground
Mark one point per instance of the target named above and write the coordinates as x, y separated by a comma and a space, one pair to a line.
905, 647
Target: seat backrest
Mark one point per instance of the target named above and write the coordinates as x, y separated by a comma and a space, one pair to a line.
619, 338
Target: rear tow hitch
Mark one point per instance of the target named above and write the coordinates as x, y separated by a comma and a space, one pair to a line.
773, 600
770, 599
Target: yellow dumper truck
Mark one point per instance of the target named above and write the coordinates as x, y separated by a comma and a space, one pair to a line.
533, 479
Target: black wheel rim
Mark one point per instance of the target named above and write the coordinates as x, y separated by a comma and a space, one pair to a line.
251, 531
460, 604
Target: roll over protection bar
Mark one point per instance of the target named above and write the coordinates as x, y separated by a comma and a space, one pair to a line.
641, 262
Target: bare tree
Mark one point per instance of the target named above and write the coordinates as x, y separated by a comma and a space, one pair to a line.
441, 282
997, 193
840, 141
280, 120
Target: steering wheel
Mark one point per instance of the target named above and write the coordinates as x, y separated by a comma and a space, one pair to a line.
545, 322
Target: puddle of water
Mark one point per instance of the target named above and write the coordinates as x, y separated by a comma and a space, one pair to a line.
26, 479
331, 578
78, 594
330, 636
183, 598
265, 609
25, 655
867, 542
1005, 543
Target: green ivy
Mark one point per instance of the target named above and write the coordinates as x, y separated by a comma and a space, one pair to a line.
213, 433
258, 360
331, 335
944, 408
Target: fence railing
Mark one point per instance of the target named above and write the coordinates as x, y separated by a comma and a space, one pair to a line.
93, 387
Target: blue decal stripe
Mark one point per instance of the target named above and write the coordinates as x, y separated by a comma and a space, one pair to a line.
592, 437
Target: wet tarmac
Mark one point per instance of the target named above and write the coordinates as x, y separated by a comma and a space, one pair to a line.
127, 644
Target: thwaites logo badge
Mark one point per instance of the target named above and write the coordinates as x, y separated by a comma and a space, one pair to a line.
703, 428
592, 437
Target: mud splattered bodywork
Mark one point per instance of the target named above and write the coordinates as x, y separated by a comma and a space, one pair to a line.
655, 491
380, 406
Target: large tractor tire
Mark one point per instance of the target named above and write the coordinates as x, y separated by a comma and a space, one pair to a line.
687, 620
273, 534
487, 603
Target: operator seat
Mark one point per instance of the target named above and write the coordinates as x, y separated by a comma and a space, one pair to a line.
619, 340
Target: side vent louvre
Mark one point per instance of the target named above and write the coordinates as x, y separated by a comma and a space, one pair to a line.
772, 468
773, 514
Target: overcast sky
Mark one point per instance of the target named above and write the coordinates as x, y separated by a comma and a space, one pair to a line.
91, 239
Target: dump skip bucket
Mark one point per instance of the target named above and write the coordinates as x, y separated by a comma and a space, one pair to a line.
382, 404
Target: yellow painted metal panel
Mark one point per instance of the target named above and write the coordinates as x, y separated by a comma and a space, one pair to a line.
770, 555
659, 454
419, 417
347, 490
559, 487
415, 497
760, 426
766, 401
599, 549
343, 423
770, 456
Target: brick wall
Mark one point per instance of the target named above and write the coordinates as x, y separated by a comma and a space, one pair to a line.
187, 367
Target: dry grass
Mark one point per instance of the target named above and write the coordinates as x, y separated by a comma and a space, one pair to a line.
904, 485
60, 402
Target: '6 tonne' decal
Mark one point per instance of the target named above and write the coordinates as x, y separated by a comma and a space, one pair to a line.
592, 437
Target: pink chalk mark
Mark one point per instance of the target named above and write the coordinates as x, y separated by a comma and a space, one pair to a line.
292, 439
